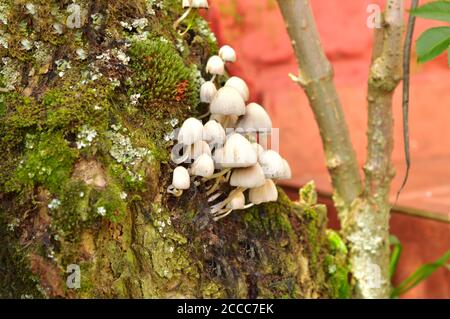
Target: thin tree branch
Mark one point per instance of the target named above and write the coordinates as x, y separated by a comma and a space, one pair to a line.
385, 74
406, 82
316, 77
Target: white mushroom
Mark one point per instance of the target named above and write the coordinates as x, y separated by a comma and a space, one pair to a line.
263, 194
272, 164
208, 91
213, 133
239, 85
242, 178
287, 173
238, 152
203, 166
237, 202
180, 181
255, 118
259, 149
228, 101
227, 53
248, 177
190, 132
199, 148
189, 4
215, 65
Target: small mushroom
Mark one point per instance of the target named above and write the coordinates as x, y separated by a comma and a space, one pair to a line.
189, 5
190, 132
263, 194
180, 181
203, 166
272, 164
213, 133
248, 177
199, 148
228, 101
239, 85
237, 202
287, 173
208, 91
258, 149
255, 118
242, 178
238, 152
227, 53
215, 65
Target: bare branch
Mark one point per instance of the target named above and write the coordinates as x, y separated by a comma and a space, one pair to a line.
316, 77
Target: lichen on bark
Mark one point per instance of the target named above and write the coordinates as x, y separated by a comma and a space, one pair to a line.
85, 130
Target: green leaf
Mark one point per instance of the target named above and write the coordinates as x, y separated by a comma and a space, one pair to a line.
420, 275
432, 42
439, 10
395, 254
448, 56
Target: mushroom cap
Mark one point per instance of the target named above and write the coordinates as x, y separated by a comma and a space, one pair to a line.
215, 65
181, 178
190, 132
207, 92
272, 164
228, 101
287, 173
200, 4
203, 166
259, 149
213, 133
240, 86
248, 177
255, 118
227, 121
227, 53
186, 3
199, 148
237, 201
218, 158
238, 152
266, 193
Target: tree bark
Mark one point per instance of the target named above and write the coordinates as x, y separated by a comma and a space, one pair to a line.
363, 213
86, 115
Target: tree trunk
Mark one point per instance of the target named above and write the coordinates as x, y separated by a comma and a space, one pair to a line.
90, 96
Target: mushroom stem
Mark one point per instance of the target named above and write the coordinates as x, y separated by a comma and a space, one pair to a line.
226, 211
214, 197
219, 174
218, 207
213, 77
214, 187
174, 191
185, 14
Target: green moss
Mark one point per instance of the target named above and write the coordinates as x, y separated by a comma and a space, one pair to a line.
338, 270
162, 75
113, 204
47, 161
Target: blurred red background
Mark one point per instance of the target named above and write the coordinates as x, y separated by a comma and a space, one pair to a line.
265, 57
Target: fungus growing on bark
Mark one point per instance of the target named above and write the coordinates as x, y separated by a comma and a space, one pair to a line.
180, 181
233, 160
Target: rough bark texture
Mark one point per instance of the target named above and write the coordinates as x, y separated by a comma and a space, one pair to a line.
363, 212
85, 120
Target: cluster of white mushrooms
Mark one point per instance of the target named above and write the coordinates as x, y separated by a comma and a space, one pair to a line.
226, 148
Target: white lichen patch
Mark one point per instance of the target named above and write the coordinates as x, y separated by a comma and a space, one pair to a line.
54, 203
123, 151
134, 99
85, 137
62, 66
101, 211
